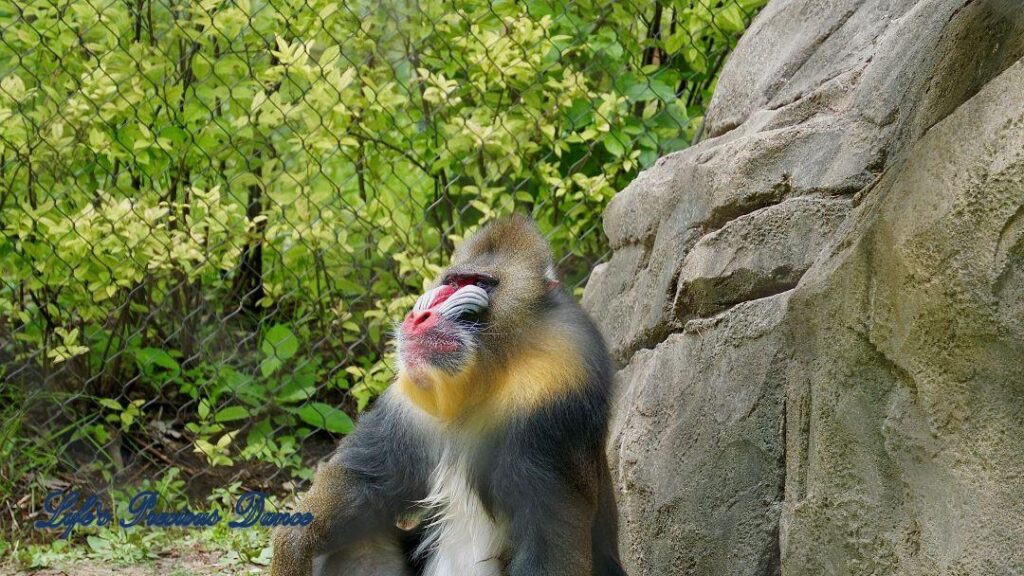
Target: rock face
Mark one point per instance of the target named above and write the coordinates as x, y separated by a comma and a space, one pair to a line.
819, 310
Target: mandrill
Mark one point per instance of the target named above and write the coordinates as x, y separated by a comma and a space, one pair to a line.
491, 441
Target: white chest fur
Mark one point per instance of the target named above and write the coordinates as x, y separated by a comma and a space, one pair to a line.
463, 540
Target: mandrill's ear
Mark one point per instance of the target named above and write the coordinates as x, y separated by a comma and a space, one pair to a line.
551, 277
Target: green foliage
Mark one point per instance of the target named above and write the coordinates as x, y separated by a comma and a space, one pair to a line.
42, 556
212, 212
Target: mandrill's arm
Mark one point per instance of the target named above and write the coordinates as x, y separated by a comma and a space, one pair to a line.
551, 533
374, 477
546, 482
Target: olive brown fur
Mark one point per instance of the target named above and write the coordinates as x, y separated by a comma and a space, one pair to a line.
491, 442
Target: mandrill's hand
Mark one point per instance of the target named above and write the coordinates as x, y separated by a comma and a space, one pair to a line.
289, 557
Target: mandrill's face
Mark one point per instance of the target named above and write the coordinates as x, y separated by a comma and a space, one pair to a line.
486, 304
444, 327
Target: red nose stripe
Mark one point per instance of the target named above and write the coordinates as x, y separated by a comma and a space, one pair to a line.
420, 321
444, 293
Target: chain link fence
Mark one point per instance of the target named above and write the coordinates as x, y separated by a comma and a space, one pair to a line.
212, 211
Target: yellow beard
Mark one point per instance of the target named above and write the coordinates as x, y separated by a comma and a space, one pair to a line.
537, 375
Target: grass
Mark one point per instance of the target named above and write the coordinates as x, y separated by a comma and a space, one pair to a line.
142, 551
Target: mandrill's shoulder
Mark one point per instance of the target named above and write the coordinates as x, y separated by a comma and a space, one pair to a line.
560, 388
537, 452
564, 364
571, 319
392, 435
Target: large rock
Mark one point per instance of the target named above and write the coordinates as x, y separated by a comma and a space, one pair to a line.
765, 252
906, 393
699, 456
820, 310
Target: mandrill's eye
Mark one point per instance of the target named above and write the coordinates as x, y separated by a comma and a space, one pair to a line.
485, 281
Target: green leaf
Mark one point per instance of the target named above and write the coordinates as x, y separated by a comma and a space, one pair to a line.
148, 358
663, 90
616, 142
676, 41
268, 366
279, 342
226, 439
327, 417
259, 432
635, 88
731, 18
296, 390
98, 544
231, 413
111, 404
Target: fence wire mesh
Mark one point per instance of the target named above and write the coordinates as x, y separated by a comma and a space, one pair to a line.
212, 211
